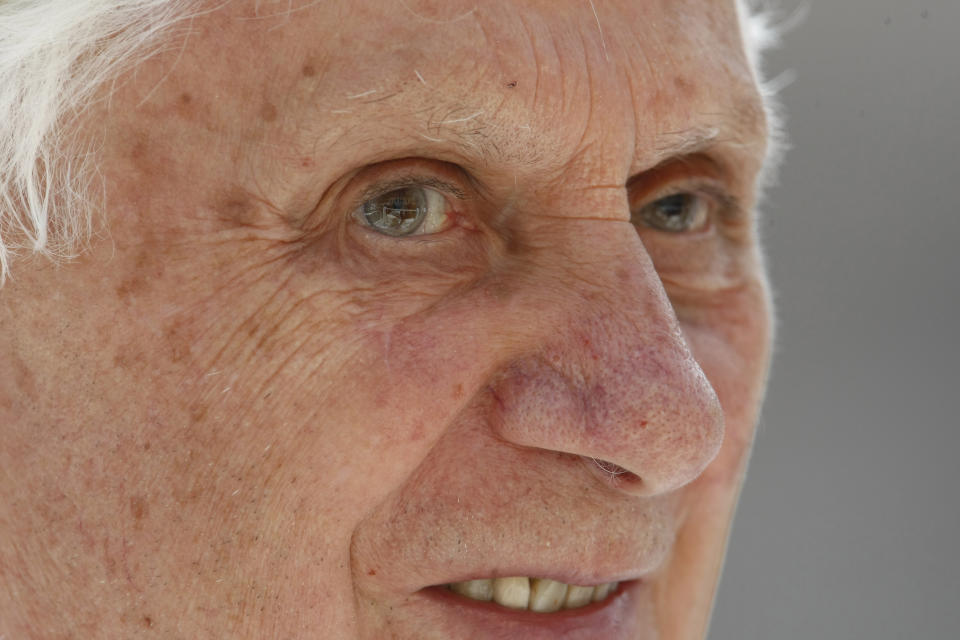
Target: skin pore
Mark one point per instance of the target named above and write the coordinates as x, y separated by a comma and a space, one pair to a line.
246, 412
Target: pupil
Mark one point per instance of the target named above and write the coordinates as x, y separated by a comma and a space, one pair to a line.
675, 205
398, 212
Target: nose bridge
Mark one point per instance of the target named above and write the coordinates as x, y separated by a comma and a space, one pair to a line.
615, 379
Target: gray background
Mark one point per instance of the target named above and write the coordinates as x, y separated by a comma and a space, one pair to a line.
848, 526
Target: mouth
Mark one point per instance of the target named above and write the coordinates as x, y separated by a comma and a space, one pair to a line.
539, 595
524, 608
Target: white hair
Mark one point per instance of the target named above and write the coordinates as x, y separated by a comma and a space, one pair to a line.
54, 56
762, 25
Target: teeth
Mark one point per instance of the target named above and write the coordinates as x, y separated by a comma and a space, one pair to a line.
536, 594
475, 589
603, 590
512, 592
547, 596
578, 596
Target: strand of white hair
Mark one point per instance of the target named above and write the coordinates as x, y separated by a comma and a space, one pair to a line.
54, 56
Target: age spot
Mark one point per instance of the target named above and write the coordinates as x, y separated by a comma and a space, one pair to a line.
237, 207
185, 105
197, 413
138, 507
268, 112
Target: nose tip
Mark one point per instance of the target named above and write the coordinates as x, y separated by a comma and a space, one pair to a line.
661, 437
609, 374
642, 416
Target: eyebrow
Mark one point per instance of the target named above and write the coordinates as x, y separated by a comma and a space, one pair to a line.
685, 142
749, 126
743, 129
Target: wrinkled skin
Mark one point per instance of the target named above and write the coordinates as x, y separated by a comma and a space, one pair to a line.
243, 413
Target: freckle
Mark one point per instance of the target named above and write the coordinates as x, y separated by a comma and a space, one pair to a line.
139, 149
138, 507
418, 433
307, 163
268, 112
23, 378
179, 347
198, 413
185, 98
147, 621
308, 70
683, 86
146, 446
126, 289
142, 260
372, 572
236, 207
643, 424
458, 391
238, 210
512, 84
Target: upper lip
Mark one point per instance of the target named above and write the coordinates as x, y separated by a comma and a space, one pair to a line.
435, 545
510, 512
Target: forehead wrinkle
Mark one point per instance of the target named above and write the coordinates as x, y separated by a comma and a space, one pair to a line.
491, 125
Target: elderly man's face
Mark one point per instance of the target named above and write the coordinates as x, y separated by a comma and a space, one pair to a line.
395, 295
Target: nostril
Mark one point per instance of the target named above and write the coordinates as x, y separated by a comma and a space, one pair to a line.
610, 468
614, 474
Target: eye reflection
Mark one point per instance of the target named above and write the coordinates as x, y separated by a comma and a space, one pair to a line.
407, 211
677, 213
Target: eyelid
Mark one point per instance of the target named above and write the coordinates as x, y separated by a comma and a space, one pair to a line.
412, 180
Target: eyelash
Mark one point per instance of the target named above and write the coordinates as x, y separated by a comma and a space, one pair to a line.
424, 181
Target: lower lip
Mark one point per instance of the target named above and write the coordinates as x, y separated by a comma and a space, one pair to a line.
617, 617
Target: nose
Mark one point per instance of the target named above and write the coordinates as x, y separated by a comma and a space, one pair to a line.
612, 378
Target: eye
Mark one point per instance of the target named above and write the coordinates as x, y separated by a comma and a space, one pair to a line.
677, 213
406, 211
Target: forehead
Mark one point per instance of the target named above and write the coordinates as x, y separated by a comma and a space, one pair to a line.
524, 85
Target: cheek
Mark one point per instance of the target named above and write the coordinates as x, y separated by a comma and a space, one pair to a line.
363, 378
732, 344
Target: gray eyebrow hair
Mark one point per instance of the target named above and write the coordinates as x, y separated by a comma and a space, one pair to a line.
702, 139
686, 141
477, 141
747, 120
